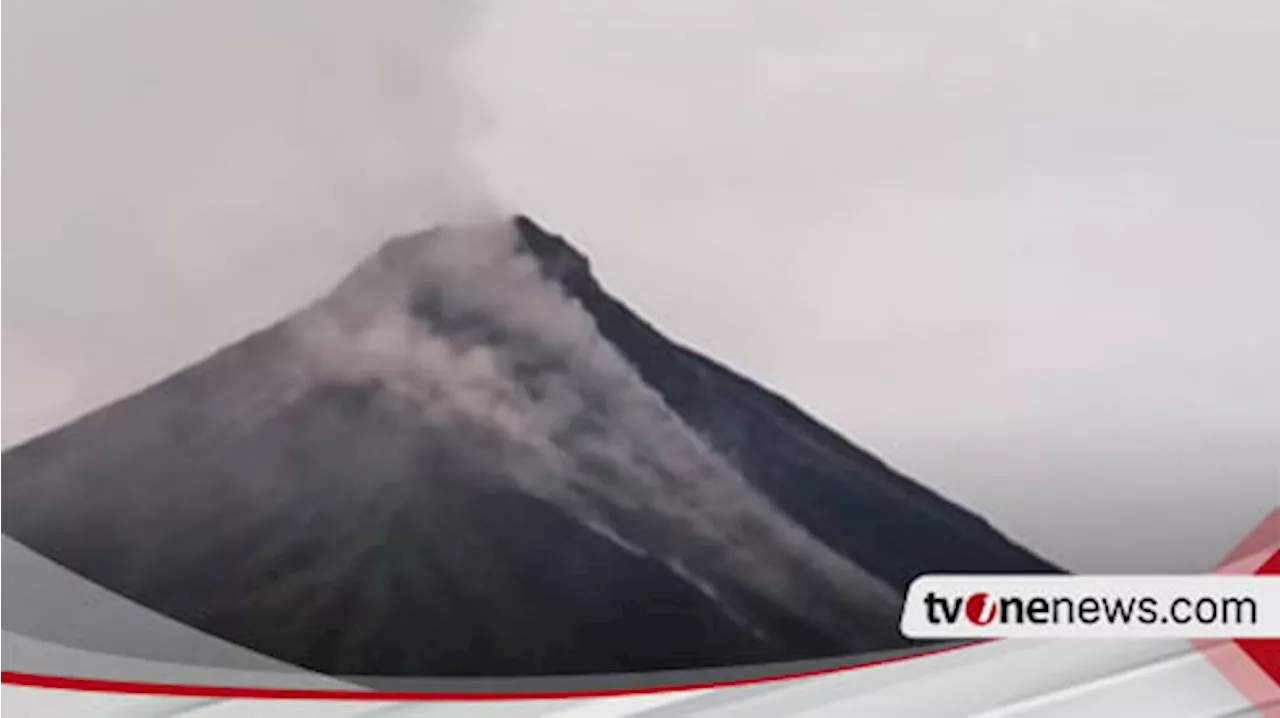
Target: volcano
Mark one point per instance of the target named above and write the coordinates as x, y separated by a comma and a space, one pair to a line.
468, 459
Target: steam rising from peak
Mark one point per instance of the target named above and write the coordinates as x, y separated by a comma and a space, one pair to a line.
210, 167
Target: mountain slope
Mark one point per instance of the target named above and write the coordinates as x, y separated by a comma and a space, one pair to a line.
845, 490
469, 460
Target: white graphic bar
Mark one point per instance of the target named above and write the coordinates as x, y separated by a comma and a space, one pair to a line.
1037, 606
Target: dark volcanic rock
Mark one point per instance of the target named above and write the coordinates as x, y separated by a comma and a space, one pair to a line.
471, 460
846, 496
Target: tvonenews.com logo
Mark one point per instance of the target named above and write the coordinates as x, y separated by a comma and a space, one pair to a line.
1092, 606
982, 609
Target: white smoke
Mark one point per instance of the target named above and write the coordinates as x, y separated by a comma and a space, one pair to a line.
575, 423
184, 173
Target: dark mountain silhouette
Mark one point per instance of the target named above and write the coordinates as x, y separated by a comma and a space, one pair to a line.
469, 459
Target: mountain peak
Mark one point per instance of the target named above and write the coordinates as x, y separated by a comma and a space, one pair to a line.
457, 264
560, 260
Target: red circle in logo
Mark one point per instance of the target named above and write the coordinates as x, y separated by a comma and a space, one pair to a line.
977, 610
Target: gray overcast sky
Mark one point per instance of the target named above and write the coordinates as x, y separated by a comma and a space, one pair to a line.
1024, 250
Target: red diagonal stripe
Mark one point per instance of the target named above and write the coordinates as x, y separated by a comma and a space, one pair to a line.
1266, 651
1264, 536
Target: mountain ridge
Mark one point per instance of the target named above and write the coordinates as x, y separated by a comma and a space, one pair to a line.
584, 286
468, 421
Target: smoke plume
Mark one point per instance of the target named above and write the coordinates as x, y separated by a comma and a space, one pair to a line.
184, 173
